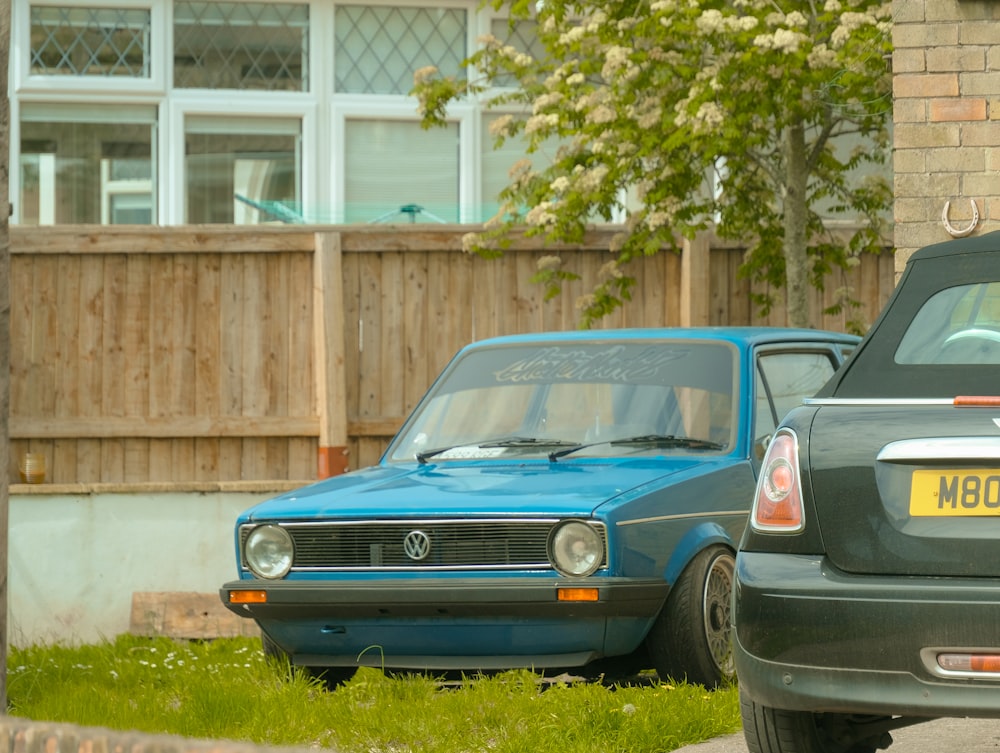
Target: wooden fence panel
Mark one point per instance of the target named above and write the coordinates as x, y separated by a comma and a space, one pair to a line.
189, 355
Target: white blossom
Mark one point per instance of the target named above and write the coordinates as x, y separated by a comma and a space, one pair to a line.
541, 215
560, 184
822, 56
710, 22
783, 40
709, 116
549, 263
547, 100
541, 122
601, 114
501, 126
796, 19
424, 74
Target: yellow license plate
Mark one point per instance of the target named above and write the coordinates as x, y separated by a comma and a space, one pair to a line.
950, 493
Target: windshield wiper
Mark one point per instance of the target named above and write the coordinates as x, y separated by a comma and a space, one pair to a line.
423, 457
654, 440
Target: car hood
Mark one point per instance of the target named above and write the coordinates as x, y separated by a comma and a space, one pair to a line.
532, 488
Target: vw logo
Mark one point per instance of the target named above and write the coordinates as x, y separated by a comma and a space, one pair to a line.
417, 545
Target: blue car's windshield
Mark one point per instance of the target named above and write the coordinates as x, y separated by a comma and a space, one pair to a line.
533, 399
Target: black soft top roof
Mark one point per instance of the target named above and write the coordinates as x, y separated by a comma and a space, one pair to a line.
872, 370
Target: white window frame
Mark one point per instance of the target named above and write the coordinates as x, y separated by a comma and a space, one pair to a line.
209, 105
401, 108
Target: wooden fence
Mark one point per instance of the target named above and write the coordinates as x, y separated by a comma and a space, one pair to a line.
204, 355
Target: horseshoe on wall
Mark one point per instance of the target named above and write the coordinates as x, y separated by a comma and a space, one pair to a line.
960, 232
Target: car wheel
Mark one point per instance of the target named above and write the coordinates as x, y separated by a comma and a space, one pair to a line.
768, 730
690, 639
331, 677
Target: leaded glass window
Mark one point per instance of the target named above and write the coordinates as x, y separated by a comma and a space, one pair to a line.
241, 45
82, 41
377, 48
522, 35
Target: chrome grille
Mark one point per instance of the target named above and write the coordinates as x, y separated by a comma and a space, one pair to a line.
454, 544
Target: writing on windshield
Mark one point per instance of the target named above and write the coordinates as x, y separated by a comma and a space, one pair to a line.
613, 364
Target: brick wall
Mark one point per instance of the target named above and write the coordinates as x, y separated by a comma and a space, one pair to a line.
946, 115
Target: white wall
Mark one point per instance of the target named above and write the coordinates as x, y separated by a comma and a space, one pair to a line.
75, 560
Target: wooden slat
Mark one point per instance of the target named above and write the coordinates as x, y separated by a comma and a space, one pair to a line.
101, 240
163, 427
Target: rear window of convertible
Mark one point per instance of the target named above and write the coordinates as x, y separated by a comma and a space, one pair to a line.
958, 325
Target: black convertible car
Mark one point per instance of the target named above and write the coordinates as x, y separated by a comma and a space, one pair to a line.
867, 584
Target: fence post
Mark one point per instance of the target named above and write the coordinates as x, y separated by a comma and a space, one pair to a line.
328, 349
695, 281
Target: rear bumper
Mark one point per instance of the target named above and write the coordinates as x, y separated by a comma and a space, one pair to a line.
807, 637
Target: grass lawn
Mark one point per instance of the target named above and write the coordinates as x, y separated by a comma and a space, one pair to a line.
225, 689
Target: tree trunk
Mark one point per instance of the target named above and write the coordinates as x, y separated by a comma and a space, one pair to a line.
794, 218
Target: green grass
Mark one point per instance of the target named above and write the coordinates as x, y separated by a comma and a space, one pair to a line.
225, 689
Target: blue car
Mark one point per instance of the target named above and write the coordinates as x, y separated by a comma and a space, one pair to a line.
564, 502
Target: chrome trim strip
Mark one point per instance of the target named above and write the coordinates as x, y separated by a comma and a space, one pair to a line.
683, 516
873, 401
941, 448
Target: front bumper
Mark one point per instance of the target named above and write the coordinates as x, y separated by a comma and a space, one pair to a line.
446, 597
451, 623
808, 637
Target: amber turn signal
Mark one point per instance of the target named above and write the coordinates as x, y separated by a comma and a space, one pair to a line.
248, 597
989, 663
976, 401
577, 594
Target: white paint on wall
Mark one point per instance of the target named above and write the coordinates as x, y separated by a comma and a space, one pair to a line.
75, 560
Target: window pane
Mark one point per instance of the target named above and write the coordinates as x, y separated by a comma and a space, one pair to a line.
74, 171
241, 46
90, 41
497, 163
790, 377
242, 171
377, 48
956, 325
395, 171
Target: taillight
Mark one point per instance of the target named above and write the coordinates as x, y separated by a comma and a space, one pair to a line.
777, 506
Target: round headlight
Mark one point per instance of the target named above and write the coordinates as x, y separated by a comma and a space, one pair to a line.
575, 548
268, 551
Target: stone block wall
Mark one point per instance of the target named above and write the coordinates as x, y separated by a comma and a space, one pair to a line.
24, 736
946, 116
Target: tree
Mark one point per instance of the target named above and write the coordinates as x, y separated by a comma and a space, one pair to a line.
678, 115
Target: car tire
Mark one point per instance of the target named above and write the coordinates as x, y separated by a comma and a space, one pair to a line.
331, 677
690, 640
768, 730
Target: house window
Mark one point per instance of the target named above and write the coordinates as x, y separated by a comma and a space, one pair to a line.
79, 165
242, 170
395, 171
241, 45
377, 48
89, 41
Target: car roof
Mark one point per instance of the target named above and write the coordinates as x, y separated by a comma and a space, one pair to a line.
735, 335
972, 245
